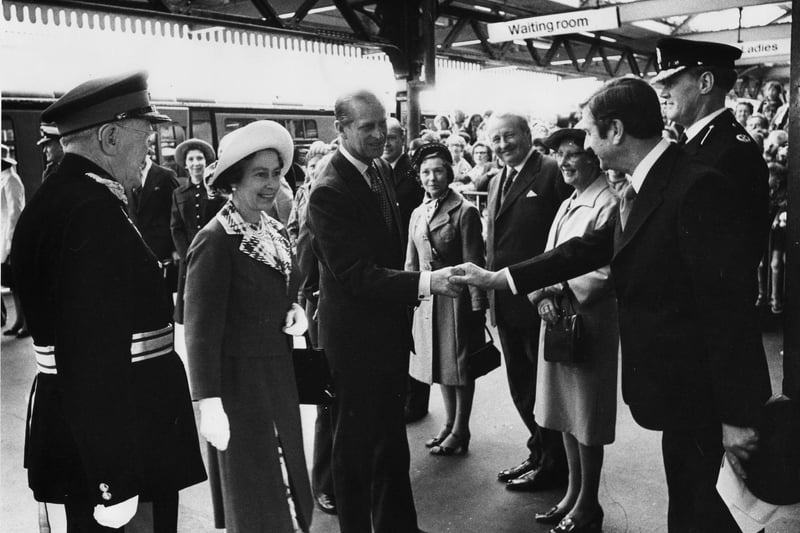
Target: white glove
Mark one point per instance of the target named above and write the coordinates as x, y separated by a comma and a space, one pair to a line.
117, 515
214, 423
296, 322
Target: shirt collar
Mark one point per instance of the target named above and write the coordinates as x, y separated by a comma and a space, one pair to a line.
644, 166
698, 126
360, 165
518, 168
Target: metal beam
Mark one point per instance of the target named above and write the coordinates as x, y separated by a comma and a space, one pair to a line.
268, 13
301, 12
660, 9
763, 33
454, 32
352, 20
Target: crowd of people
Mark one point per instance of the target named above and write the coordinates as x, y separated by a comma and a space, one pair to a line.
371, 245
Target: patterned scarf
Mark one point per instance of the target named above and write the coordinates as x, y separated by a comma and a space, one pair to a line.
115, 187
263, 242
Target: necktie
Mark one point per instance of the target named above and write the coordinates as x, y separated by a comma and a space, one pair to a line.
625, 206
376, 184
682, 138
512, 173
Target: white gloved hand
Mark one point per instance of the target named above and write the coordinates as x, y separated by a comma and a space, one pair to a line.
214, 423
117, 515
296, 322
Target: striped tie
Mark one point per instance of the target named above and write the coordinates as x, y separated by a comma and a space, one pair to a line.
376, 184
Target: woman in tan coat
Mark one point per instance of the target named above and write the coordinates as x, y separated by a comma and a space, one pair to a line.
444, 231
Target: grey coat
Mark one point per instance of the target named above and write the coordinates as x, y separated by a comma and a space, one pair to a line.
455, 234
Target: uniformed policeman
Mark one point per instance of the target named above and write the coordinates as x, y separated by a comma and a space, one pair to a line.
110, 422
50, 145
694, 77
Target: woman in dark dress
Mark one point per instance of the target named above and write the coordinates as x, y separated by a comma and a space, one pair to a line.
240, 293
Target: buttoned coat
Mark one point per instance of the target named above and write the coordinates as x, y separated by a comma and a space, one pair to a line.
235, 308
725, 145
407, 189
446, 329
692, 353
517, 228
192, 209
88, 283
151, 209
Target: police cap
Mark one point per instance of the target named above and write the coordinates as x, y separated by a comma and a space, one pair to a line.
49, 133
102, 100
674, 55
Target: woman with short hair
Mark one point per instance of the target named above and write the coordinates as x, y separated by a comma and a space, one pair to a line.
445, 231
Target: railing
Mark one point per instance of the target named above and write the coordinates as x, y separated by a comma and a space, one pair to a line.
479, 198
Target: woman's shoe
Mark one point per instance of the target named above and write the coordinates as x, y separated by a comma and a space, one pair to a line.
593, 525
460, 447
13, 331
553, 516
437, 440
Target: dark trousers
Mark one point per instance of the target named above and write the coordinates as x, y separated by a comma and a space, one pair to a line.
692, 459
521, 353
160, 516
417, 397
370, 455
321, 468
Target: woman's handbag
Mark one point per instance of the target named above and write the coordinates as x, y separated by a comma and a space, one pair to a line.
484, 359
313, 377
562, 340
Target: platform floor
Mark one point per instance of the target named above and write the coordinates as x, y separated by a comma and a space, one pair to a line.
452, 494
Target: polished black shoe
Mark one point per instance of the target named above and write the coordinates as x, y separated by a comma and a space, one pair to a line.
535, 480
326, 503
553, 516
593, 525
13, 331
515, 471
458, 445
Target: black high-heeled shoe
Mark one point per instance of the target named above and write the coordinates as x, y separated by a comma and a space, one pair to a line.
13, 331
461, 447
437, 440
552, 516
593, 525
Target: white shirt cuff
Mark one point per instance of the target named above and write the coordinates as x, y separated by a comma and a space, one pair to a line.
510, 280
424, 288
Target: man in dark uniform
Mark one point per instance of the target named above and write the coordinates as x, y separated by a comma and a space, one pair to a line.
110, 422
51, 149
150, 208
693, 364
409, 195
695, 76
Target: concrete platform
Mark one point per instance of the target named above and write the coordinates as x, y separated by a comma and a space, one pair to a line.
453, 494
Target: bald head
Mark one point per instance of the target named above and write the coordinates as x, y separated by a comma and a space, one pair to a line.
395, 140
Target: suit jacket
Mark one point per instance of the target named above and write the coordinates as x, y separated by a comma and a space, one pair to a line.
517, 229
87, 283
408, 191
151, 207
727, 147
364, 292
691, 347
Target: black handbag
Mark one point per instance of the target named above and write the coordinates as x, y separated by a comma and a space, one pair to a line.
484, 359
312, 374
562, 340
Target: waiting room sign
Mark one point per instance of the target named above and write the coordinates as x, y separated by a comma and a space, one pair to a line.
606, 18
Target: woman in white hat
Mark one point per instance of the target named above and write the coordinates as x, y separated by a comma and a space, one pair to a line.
239, 308
192, 206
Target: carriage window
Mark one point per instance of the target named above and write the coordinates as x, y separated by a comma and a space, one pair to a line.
169, 136
9, 138
201, 126
311, 129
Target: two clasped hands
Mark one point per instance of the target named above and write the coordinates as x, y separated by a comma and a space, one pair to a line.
450, 281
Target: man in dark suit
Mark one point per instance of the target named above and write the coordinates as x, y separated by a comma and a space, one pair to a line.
363, 319
150, 208
521, 208
409, 195
693, 364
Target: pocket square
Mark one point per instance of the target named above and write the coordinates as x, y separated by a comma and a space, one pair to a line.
531, 194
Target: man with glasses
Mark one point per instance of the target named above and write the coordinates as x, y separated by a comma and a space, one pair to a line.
110, 422
523, 201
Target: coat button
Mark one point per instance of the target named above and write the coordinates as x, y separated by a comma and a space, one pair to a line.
106, 496
103, 487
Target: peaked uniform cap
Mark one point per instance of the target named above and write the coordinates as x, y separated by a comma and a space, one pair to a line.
49, 133
103, 100
675, 55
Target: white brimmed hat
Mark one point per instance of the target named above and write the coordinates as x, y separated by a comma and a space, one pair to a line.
254, 137
6, 155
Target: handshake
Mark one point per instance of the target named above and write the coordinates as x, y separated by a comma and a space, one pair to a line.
449, 281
